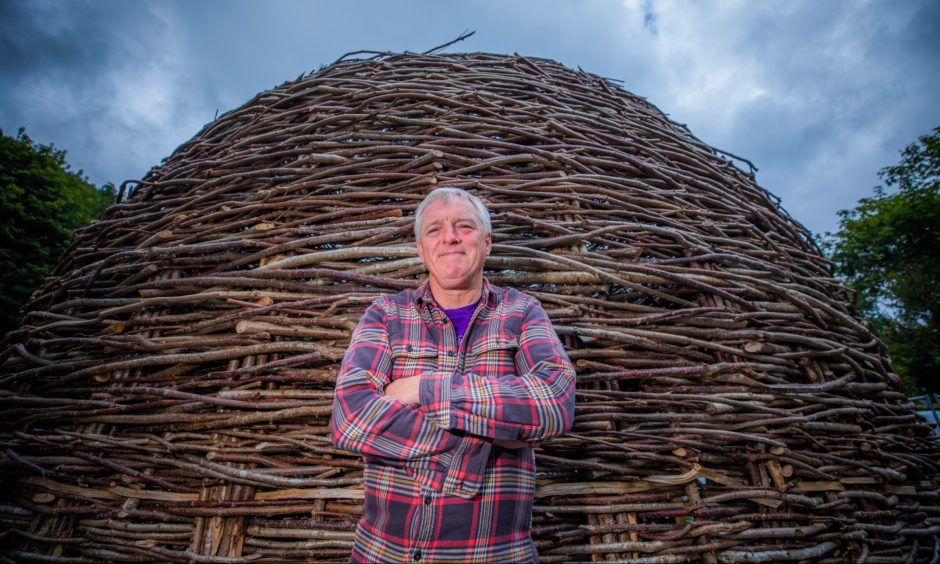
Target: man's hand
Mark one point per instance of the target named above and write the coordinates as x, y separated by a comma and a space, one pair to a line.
405, 390
509, 443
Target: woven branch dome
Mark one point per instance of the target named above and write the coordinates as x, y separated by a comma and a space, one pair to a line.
168, 393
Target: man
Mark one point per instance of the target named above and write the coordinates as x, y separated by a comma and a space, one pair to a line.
443, 392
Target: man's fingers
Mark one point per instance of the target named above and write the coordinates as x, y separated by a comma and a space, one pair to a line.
509, 443
404, 390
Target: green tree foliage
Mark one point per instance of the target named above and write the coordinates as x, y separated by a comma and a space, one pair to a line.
42, 203
888, 250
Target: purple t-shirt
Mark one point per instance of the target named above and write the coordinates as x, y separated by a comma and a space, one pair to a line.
460, 317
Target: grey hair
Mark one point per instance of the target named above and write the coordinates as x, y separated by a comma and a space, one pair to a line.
447, 194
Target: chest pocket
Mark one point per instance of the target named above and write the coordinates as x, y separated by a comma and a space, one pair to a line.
492, 357
413, 360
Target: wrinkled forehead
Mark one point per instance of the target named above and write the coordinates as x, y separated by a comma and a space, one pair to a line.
450, 209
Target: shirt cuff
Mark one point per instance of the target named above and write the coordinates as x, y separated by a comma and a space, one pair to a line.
434, 396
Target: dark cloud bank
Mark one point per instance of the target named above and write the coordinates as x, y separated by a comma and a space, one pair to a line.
818, 95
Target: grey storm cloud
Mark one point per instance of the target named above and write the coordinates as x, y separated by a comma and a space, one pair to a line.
65, 70
818, 95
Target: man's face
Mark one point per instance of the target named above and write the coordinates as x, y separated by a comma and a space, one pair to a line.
453, 245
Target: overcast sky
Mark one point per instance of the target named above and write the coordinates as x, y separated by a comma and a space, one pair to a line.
819, 95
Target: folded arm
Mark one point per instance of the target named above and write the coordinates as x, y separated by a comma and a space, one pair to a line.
533, 403
368, 421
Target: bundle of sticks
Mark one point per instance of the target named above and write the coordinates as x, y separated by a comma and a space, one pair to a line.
167, 395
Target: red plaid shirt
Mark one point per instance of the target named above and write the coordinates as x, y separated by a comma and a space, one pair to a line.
437, 488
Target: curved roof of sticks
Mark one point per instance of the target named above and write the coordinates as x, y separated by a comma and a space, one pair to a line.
168, 393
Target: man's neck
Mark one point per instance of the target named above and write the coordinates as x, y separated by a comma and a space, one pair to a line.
454, 298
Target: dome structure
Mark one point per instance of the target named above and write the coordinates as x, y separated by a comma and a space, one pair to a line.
168, 393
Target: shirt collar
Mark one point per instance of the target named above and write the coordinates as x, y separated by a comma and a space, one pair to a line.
423, 294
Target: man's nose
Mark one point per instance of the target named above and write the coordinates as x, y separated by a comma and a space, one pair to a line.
450, 234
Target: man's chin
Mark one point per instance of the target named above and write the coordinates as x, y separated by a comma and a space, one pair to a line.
456, 282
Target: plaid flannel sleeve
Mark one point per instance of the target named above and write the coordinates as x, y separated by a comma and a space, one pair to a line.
532, 404
368, 422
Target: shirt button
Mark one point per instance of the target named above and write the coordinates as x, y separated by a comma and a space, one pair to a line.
427, 500
417, 555
451, 353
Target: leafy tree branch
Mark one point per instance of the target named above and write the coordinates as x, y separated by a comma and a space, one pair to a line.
42, 202
888, 250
